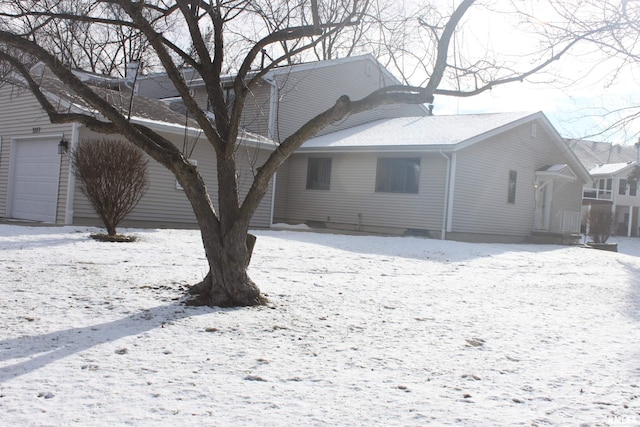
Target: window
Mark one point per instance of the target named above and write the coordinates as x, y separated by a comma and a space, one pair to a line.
622, 187
318, 174
633, 187
513, 178
397, 175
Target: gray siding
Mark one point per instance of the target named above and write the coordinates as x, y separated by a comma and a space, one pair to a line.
565, 198
481, 183
20, 115
352, 198
160, 86
281, 192
304, 94
164, 203
255, 117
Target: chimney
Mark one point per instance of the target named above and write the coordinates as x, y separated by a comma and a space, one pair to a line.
131, 74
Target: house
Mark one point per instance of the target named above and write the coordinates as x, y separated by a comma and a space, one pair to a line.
36, 183
609, 166
288, 96
500, 177
397, 169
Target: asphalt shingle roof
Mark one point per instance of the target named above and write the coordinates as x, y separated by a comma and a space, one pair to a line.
592, 153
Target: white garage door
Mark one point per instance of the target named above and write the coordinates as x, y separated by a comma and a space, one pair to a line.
34, 184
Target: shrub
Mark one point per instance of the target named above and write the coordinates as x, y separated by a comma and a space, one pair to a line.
112, 174
600, 223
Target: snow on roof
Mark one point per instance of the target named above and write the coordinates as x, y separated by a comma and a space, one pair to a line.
594, 153
554, 168
417, 131
611, 168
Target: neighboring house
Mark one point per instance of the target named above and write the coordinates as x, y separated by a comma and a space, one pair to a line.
609, 166
36, 182
486, 177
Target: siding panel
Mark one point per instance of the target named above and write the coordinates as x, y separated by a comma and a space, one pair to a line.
20, 115
165, 203
304, 94
481, 183
352, 199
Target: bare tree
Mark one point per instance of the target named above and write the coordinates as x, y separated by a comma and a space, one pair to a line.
113, 176
609, 34
296, 29
91, 44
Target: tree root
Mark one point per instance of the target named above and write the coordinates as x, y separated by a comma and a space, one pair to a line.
205, 293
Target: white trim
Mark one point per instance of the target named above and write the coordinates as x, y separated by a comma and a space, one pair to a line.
71, 180
273, 108
452, 185
445, 208
273, 197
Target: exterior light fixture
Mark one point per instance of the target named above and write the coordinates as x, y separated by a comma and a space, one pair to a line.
63, 146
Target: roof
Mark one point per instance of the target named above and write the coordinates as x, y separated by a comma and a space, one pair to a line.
419, 132
149, 112
196, 80
592, 153
144, 109
559, 172
611, 168
437, 133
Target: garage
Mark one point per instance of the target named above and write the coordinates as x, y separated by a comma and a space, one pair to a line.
33, 180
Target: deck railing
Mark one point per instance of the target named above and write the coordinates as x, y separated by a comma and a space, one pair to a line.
597, 194
569, 222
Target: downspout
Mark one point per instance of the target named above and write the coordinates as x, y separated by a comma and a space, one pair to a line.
452, 190
271, 132
71, 181
273, 108
445, 219
273, 197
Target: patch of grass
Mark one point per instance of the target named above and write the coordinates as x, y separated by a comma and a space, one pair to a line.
120, 238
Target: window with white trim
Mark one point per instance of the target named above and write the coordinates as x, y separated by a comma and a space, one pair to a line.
398, 175
319, 173
513, 180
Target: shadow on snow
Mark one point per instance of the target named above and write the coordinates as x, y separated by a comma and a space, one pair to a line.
41, 350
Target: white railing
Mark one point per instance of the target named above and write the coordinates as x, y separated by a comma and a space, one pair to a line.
596, 193
569, 222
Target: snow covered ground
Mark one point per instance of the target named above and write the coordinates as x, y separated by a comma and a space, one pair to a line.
359, 331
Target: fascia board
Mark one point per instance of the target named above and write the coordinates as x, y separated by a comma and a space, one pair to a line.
427, 149
561, 143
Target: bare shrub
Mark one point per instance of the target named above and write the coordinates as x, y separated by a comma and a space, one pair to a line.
600, 221
113, 176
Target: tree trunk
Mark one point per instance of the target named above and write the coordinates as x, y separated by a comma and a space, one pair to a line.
227, 242
228, 284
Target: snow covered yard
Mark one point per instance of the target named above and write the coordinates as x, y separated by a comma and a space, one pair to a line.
359, 331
